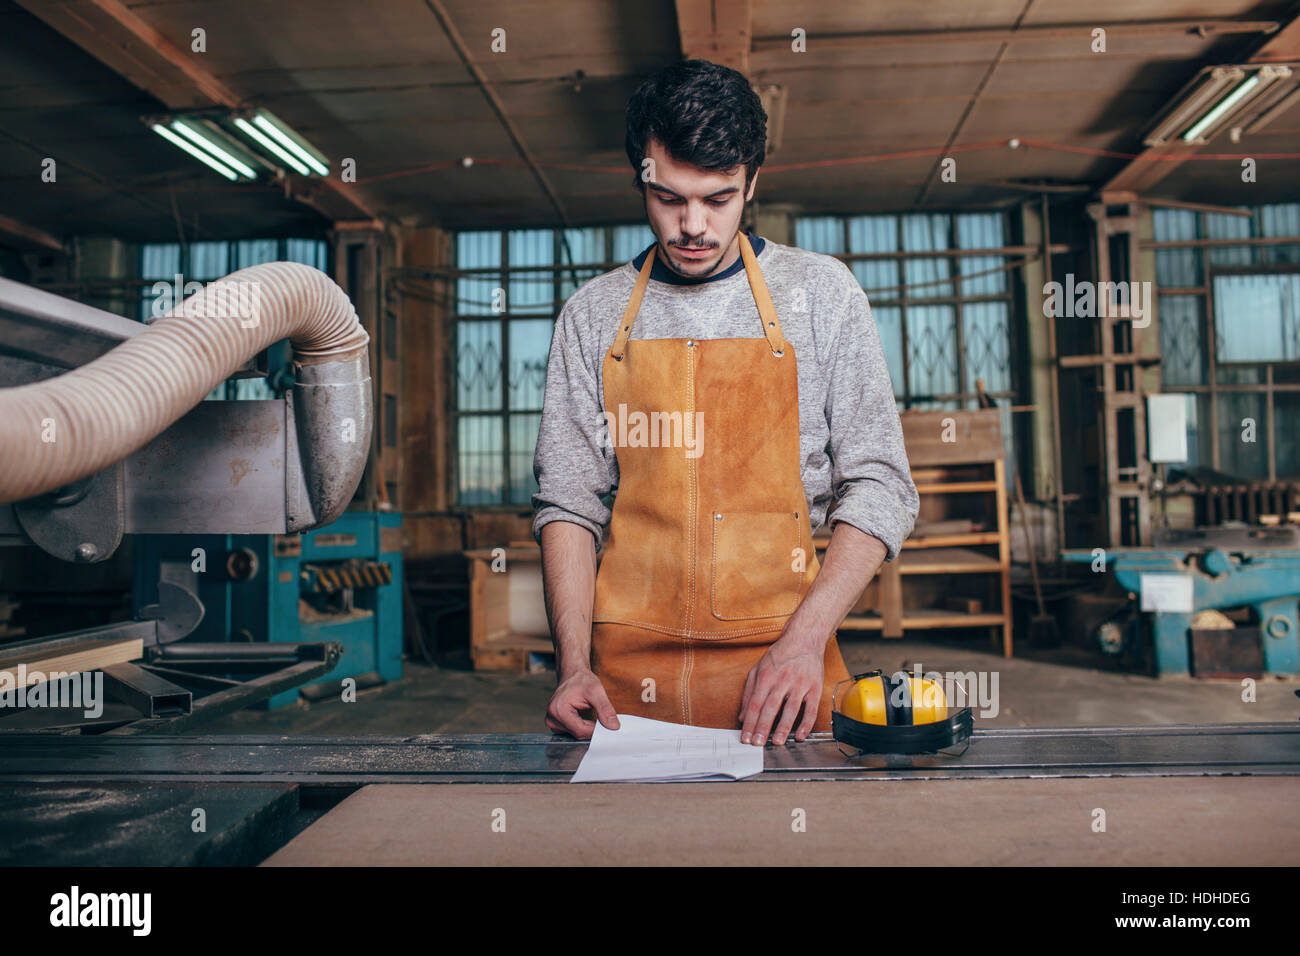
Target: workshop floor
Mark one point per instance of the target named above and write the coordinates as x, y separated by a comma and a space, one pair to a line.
1053, 689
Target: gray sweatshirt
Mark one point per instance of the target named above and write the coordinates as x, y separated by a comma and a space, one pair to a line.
850, 438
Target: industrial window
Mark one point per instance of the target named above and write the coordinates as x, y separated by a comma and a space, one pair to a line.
169, 263
510, 287
944, 319
941, 295
1229, 313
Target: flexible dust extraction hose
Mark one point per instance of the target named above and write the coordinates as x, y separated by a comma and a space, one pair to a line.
59, 430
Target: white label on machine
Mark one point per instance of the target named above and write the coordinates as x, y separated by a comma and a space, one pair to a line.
1167, 592
1167, 428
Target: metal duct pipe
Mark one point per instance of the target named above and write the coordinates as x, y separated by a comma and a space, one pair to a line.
60, 430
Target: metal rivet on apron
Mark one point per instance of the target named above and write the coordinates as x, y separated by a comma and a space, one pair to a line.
717, 517
690, 342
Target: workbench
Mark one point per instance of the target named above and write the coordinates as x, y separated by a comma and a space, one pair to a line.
1187, 795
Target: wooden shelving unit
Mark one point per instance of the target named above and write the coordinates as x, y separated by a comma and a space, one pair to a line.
507, 629
947, 576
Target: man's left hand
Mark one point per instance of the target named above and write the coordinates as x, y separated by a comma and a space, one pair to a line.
787, 677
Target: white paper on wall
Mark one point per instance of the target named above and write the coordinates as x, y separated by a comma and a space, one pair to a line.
1167, 428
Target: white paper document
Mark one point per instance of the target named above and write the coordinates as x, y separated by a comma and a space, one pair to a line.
654, 751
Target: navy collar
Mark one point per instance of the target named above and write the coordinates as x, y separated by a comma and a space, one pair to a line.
662, 273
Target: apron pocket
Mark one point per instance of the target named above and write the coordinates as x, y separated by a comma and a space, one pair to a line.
752, 570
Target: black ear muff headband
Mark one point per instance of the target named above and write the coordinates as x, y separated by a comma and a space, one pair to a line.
899, 737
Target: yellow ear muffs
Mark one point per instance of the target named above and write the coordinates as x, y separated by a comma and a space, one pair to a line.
867, 700
899, 714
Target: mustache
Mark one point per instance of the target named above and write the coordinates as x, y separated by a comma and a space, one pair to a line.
690, 244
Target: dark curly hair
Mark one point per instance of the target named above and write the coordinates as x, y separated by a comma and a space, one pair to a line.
704, 114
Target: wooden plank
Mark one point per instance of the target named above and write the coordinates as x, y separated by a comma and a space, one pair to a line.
950, 561
1240, 821
29, 236
510, 653
716, 30
81, 657
976, 436
927, 527
953, 540
921, 475
925, 619
955, 487
477, 622
496, 604
1004, 549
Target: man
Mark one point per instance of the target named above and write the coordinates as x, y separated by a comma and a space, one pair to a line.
725, 389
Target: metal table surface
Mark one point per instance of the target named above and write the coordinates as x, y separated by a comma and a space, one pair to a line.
1266, 749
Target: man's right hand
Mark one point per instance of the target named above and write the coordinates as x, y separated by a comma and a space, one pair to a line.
579, 692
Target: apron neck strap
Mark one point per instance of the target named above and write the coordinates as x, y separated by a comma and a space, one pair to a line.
634, 304
766, 311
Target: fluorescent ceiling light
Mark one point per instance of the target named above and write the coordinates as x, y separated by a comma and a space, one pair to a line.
194, 151
281, 133
208, 143
1223, 97
1226, 104
262, 140
1281, 106
1194, 98
240, 144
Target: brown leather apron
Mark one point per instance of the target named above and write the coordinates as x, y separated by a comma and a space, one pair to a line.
710, 546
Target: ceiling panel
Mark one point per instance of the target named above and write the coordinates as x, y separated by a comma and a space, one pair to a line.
381, 83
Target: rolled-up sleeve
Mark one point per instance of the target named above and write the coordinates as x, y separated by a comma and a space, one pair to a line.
574, 462
872, 480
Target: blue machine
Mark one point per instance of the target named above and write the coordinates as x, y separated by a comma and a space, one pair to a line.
342, 582
1228, 568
